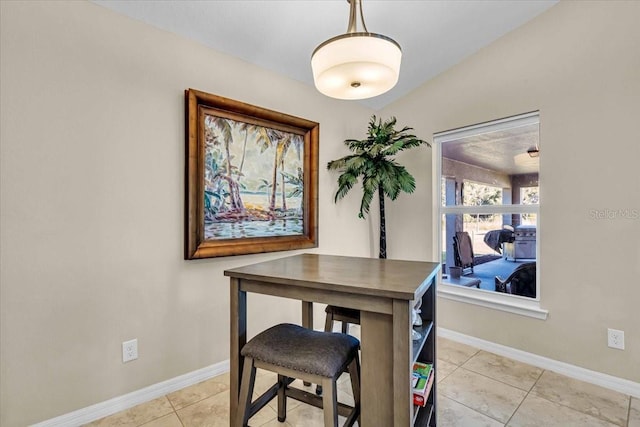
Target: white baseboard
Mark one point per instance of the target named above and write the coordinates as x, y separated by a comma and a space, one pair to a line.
121, 403
604, 380
129, 400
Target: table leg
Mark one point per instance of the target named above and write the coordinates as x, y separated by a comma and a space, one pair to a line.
307, 322
307, 314
238, 338
376, 379
402, 362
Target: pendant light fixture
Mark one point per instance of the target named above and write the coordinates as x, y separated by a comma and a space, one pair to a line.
357, 64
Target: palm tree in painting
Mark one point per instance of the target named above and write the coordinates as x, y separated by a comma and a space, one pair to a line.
284, 144
374, 163
281, 142
296, 182
214, 195
246, 127
268, 138
265, 140
265, 186
219, 128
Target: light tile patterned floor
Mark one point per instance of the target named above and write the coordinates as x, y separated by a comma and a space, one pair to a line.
475, 388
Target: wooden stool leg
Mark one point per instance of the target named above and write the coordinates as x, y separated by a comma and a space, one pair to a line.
345, 327
354, 373
328, 327
330, 403
282, 398
328, 323
246, 391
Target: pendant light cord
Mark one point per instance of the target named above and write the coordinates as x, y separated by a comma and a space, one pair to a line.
353, 17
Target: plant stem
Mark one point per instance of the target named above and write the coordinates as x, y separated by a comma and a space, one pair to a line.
383, 226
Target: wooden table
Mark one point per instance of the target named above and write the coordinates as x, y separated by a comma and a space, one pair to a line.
383, 290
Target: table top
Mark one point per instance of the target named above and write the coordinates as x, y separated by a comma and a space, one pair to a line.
397, 279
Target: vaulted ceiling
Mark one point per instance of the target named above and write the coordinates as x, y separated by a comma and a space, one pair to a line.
280, 35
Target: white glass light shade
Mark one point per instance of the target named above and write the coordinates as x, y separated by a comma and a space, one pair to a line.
356, 65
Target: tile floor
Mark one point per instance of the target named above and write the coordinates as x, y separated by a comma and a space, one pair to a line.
475, 388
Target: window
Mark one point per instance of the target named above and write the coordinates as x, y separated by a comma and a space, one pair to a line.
488, 215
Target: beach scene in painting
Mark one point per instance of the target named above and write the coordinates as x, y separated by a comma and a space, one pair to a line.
253, 180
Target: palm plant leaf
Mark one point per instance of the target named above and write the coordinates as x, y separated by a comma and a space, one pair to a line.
372, 161
346, 181
369, 187
390, 186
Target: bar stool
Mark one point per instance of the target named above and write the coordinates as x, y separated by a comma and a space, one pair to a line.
339, 314
292, 351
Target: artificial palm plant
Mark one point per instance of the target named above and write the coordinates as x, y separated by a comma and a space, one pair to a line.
373, 162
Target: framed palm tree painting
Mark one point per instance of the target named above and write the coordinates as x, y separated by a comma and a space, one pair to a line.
251, 179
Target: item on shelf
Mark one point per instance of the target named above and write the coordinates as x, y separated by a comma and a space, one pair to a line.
422, 381
417, 319
415, 335
421, 399
422, 370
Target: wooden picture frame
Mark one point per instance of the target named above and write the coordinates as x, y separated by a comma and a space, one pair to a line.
251, 179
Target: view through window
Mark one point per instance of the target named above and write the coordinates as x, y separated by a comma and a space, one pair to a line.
489, 205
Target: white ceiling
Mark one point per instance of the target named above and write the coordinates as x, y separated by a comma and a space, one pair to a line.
280, 35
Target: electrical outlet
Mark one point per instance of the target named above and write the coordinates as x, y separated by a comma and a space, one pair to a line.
129, 350
616, 339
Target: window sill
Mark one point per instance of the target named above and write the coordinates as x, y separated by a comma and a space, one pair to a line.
509, 303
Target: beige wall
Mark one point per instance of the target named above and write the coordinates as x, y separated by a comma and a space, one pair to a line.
92, 205
578, 64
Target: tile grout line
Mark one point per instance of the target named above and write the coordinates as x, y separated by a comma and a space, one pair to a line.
462, 404
449, 374
474, 410
175, 411
629, 412
525, 398
528, 392
578, 410
494, 379
517, 408
157, 417
499, 381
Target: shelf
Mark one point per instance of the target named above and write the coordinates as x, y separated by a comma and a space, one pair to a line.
424, 330
422, 415
424, 350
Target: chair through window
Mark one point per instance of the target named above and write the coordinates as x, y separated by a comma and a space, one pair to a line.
463, 250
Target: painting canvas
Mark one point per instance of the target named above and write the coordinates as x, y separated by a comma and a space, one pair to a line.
257, 189
254, 180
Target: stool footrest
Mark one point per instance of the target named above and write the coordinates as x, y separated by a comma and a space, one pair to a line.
265, 398
304, 396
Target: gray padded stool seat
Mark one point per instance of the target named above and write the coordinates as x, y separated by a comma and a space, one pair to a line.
292, 352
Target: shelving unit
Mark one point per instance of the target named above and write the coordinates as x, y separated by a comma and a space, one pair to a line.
424, 350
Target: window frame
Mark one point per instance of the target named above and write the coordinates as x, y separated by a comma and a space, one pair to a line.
516, 304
